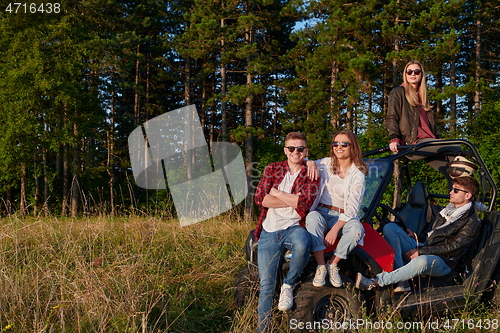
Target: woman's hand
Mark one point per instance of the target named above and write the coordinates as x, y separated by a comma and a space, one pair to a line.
331, 236
312, 170
394, 146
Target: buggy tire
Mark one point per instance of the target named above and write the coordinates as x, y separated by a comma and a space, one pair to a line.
496, 296
324, 309
247, 285
492, 292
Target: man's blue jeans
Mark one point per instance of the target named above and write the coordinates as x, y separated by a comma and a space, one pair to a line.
400, 242
429, 265
272, 246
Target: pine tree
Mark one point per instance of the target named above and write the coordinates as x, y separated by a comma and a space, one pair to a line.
334, 70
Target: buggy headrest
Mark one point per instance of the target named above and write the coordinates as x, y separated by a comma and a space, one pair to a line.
418, 195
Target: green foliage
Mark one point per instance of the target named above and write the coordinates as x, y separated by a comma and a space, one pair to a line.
241, 133
73, 85
483, 132
268, 152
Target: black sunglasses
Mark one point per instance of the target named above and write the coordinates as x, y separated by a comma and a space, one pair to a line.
291, 149
456, 190
335, 144
411, 71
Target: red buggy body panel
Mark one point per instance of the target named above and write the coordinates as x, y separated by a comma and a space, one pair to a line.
376, 246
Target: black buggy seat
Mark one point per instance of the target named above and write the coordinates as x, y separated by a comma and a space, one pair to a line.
417, 211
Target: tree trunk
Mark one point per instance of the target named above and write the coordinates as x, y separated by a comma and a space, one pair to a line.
75, 186
223, 74
453, 100
396, 48
334, 109
275, 111
187, 101
385, 97
395, 67
66, 181
148, 88
211, 131
22, 201
111, 154
249, 152
439, 102
137, 118
36, 196
8, 201
46, 209
249, 137
477, 93
202, 112
349, 116
370, 121
223, 87
396, 203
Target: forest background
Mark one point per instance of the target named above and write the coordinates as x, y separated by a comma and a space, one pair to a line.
75, 82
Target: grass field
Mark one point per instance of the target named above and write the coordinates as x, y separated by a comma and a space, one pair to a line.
119, 274
131, 275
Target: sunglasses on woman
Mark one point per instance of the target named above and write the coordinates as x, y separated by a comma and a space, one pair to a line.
291, 149
456, 190
335, 144
413, 71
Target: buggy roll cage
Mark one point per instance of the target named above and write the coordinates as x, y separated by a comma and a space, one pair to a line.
487, 184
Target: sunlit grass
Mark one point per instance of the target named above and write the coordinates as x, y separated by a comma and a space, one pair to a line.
137, 275
118, 274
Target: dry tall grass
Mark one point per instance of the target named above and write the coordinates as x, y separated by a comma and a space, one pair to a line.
132, 275
118, 274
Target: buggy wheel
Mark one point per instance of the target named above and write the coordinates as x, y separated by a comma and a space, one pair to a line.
247, 284
492, 292
324, 309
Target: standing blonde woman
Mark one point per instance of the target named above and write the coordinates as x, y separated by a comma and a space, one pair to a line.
337, 205
410, 119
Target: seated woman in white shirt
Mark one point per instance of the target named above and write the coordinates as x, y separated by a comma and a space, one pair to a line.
335, 211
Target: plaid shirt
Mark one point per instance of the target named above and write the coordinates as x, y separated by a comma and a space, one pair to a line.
272, 177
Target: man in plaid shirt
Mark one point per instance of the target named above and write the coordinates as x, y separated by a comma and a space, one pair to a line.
285, 193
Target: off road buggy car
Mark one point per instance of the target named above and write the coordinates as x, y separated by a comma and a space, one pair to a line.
391, 180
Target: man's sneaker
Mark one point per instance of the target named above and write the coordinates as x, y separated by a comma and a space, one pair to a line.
286, 298
320, 276
335, 278
364, 283
402, 287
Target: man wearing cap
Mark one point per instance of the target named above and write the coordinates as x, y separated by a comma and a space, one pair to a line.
453, 231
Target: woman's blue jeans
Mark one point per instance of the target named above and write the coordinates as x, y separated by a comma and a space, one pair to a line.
272, 246
321, 220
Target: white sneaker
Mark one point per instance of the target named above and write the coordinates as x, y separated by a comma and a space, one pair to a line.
364, 283
286, 298
402, 287
320, 276
335, 278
